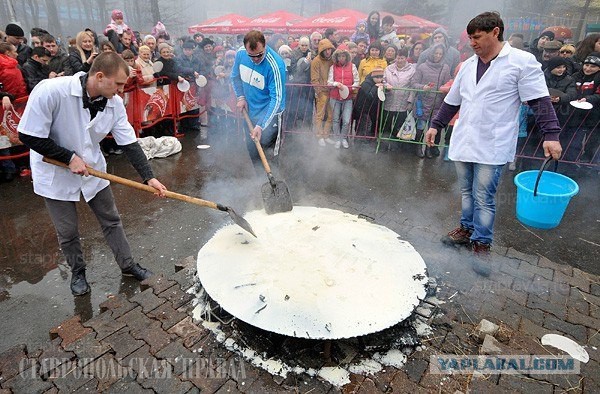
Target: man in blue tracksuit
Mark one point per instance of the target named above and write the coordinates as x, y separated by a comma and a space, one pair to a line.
258, 78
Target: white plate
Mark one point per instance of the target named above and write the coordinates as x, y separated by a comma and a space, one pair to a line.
203, 146
344, 92
183, 86
201, 81
381, 93
157, 66
581, 104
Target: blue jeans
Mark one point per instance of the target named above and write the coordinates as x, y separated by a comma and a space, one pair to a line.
478, 185
342, 116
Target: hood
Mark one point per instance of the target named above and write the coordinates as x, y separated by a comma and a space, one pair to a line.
324, 44
338, 52
8, 62
432, 51
361, 22
443, 32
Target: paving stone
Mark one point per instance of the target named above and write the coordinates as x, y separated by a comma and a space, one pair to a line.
27, 381
529, 258
578, 303
578, 333
591, 374
483, 384
153, 336
11, 361
547, 263
129, 387
575, 281
595, 289
167, 316
544, 272
107, 370
70, 331
577, 318
229, 387
577, 273
147, 300
117, 304
525, 344
166, 385
69, 377
515, 272
183, 277
145, 364
187, 262
548, 290
537, 303
415, 368
189, 331
104, 325
88, 348
177, 296
52, 356
201, 378
500, 315
523, 384
123, 343
401, 383
533, 329
570, 383
591, 299
367, 386
535, 315
178, 356
158, 283
136, 320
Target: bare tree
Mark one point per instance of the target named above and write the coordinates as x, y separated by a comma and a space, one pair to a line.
155, 10
34, 10
53, 19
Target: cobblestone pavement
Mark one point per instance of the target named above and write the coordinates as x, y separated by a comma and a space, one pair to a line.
148, 341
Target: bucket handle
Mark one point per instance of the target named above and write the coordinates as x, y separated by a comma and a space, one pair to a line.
544, 165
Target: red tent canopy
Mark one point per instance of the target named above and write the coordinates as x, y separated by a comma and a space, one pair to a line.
278, 21
344, 20
220, 25
401, 24
423, 23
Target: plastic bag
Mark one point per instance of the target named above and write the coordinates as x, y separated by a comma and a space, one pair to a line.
408, 130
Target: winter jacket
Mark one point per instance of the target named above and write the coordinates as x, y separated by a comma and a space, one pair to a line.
58, 63
11, 77
187, 65
397, 100
566, 85
147, 70
300, 67
23, 53
587, 86
369, 64
360, 36
436, 74
346, 74
367, 99
75, 62
451, 55
169, 70
34, 72
319, 67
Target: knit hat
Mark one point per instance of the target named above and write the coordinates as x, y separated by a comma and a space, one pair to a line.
343, 47
555, 62
188, 44
552, 45
284, 48
162, 46
116, 14
14, 30
593, 58
377, 71
548, 34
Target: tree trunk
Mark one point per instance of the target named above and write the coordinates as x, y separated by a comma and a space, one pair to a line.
53, 19
34, 10
155, 11
579, 32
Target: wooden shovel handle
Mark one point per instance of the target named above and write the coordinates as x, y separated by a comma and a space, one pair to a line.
141, 186
261, 153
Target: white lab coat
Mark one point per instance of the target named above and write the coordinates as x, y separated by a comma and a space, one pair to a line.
487, 128
55, 110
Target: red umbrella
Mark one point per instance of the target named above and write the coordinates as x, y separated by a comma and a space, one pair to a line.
222, 24
278, 22
424, 23
560, 32
343, 20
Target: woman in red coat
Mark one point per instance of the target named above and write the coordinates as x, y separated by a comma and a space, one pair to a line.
10, 74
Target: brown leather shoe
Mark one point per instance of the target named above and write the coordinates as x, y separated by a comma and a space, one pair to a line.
458, 236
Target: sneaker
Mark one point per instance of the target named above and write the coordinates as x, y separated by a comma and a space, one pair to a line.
79, 285
322, 142
329, 141
338, 144
512, 166
458, 236
481, 255
345, 143
25, 172
138, 272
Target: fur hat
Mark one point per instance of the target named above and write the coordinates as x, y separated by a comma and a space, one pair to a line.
116, 14
593, 58
14, 30
548, 34
555, 62
162, 46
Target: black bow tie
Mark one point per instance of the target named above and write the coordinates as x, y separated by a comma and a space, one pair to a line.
94, 106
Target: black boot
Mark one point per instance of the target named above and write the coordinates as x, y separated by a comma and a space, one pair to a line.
138, 272
79, 285
420, 152
428, 153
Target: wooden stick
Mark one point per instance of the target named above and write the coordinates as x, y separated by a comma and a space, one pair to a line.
261, 153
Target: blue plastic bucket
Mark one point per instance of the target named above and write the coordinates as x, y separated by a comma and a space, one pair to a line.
543, 205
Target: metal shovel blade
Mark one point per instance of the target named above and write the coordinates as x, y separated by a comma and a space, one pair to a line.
237, 219
276, 197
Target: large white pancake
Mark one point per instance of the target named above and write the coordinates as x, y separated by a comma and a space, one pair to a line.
313, 273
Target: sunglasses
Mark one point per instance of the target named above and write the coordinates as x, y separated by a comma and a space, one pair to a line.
257, 55
566, 52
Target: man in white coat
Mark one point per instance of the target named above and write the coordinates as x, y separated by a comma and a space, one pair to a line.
65, 120
488, 90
